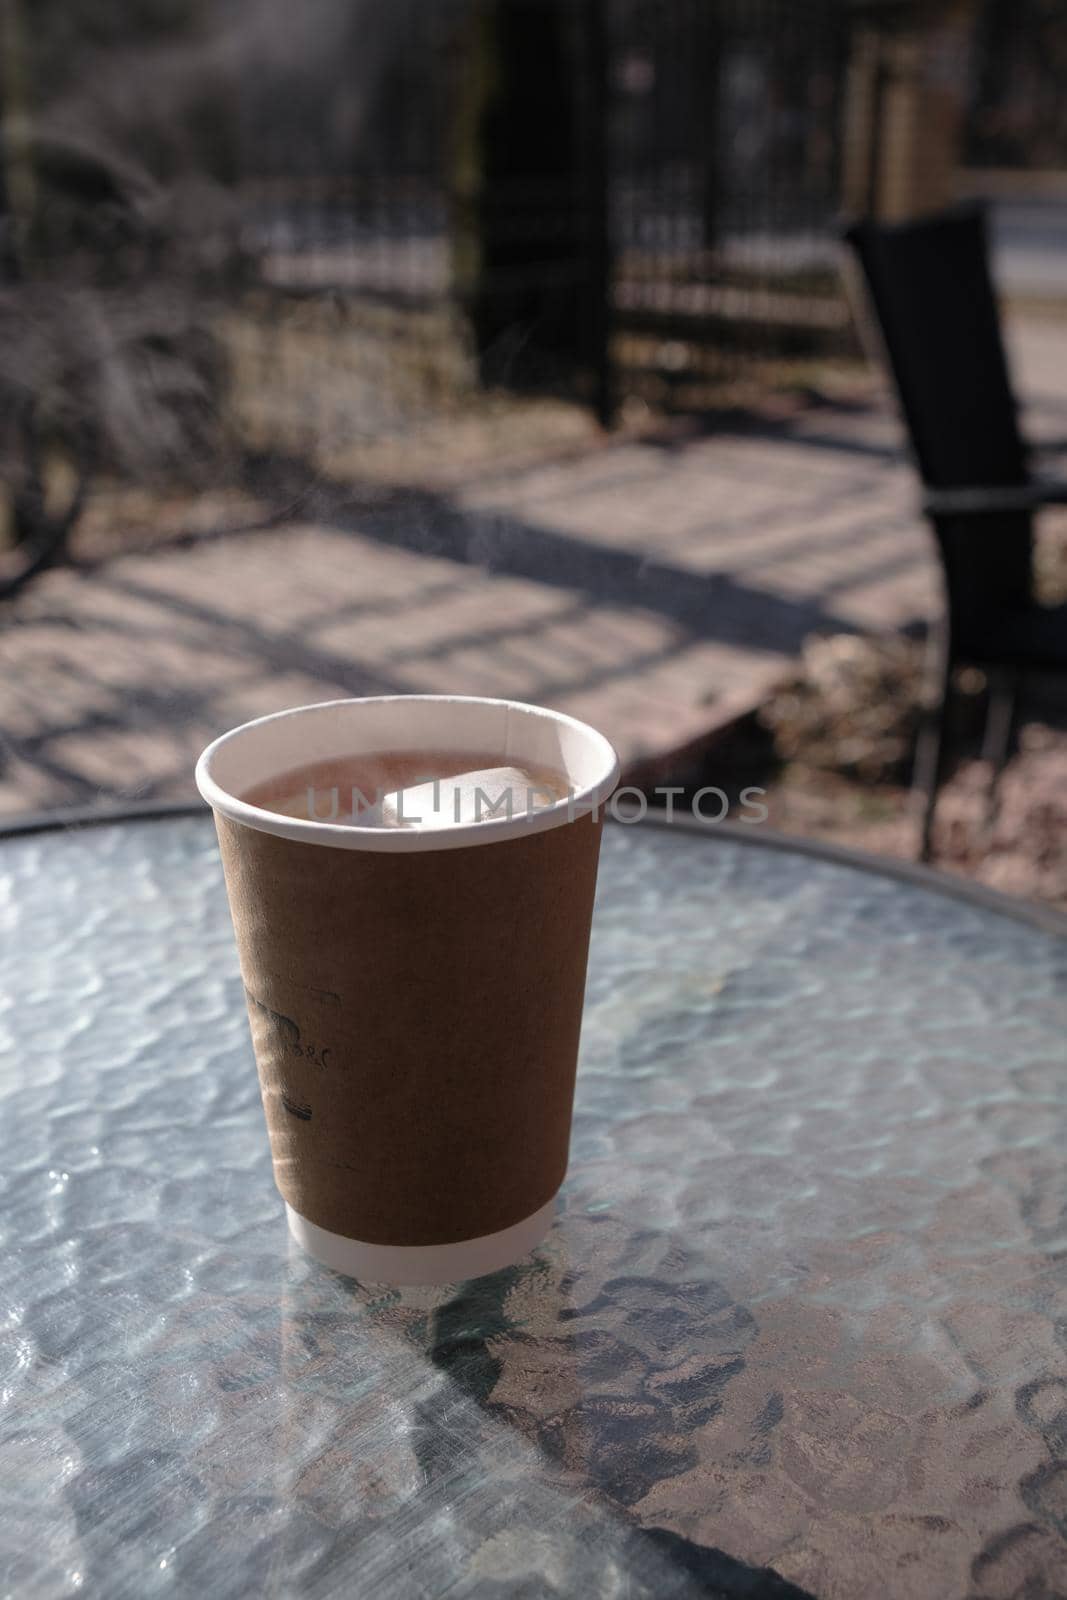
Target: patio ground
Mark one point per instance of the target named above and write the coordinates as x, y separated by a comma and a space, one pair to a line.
658, 587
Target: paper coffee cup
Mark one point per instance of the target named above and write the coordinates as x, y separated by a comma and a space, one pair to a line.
415, 995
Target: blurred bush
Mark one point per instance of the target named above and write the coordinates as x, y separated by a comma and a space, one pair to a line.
112, 243
853, 708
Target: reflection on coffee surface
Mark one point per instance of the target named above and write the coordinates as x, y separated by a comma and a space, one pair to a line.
410, 789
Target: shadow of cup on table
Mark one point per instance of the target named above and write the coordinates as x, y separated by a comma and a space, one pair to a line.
509, 1425
391, 1430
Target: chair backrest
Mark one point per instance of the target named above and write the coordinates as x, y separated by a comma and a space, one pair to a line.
933, 296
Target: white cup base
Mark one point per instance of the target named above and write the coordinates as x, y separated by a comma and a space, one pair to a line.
422, 1263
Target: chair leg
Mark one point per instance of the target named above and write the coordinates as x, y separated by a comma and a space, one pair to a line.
999, 733
931, 748
929, 771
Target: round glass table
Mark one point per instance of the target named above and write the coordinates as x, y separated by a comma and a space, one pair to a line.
800, 1328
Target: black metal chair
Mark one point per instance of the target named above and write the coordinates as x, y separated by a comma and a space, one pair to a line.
933, 296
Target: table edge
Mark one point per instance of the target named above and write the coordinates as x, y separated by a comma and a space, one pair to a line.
1031, 913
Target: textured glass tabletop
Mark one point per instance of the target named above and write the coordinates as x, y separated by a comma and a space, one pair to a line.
801, 1326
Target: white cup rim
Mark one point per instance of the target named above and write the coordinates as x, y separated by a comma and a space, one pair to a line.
586, 798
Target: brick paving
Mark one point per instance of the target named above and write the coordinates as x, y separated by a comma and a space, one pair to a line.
656, 588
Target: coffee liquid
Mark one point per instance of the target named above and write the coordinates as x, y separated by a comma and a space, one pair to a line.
349, 789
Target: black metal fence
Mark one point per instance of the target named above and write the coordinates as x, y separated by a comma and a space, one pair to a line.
1018, 110
327, 221
724, 157
595, 198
